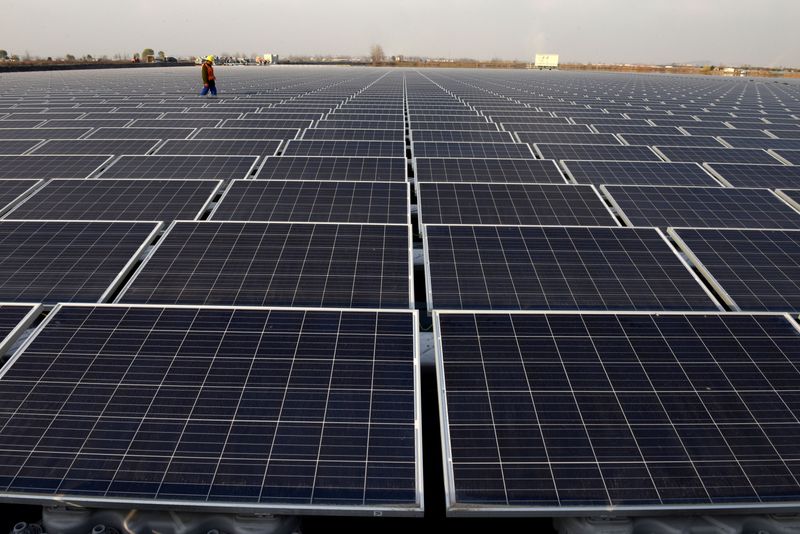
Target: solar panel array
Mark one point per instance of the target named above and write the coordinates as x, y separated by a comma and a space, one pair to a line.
237, 289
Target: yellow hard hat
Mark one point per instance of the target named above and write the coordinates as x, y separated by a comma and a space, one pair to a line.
210, 58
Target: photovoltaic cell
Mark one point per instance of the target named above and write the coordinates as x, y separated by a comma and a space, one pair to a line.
487, 170
638, 173
277, 264
35, 166
118, 200
557, 268
596, 152
41, 133
472, 150
246, 133
671, 140
526, 204
181, 167
140, 133
792, 156
568, 138
17, 146
315, 201
754, 270
304, 147
333, 168
745, 175
222, 147
97, 146
66, 261
702, 207
274, 410
715, 155
353, 134
547, 412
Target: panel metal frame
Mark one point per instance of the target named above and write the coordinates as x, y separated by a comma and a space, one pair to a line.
189, 505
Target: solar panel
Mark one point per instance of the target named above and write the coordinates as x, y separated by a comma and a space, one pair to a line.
260, 409
792, 156
725, 132
525, 127
487, 170
453, 126
233, 147
701, 207
569, 138
498, 203
763, 143
271, 123
791, 196
752, 270
387, 149
596, 152
471, 150
13, 191
333, 168
365, 124
67, 261
750, 175
97, 146
17, 146
199, 113
42, 133
353, 134
315, 201
13, 124
599, 413
87, 123
643, 130
35, 166
781, 134
671, 140
638, 173
714, 155
140, 133
277, 264
118, 200
182, 167
246, 133
176, 123
14, 319
557, 268
469, 136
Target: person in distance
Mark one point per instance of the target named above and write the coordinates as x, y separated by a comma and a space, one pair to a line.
209, 80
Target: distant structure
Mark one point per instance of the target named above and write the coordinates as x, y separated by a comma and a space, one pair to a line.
546, 61
267, 59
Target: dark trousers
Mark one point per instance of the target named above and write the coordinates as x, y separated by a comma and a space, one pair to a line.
212, 86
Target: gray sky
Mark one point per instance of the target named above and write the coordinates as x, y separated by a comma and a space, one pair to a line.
761, 32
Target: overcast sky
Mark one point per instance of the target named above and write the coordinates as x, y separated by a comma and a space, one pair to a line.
760, 32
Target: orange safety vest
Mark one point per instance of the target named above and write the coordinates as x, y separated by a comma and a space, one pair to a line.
209, 70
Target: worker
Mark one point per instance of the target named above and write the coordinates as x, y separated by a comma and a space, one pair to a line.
209, 81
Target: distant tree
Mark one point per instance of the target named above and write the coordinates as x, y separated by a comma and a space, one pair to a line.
69, 57
161, 54
88, 57
136, 55
147, 52
3, 54
15, 57
376, 54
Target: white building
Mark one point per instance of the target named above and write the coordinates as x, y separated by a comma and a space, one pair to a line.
546, 61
